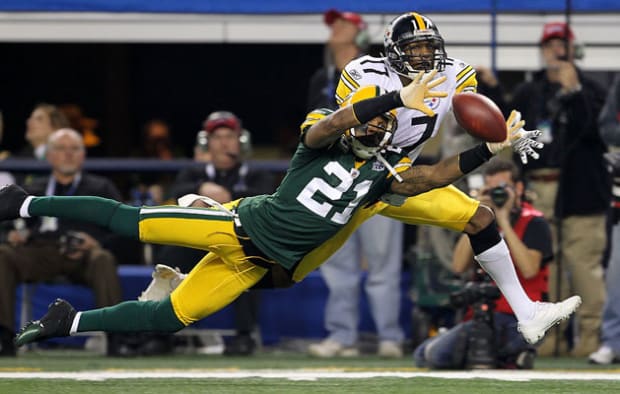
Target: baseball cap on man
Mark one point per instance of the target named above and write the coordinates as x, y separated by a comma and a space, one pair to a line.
332, 15
222, 119
556, 30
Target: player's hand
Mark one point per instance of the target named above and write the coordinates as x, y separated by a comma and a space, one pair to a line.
413, 95
522, 141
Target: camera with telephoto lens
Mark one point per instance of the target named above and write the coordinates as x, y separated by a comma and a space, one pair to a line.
499, 195
70, 242
479, 347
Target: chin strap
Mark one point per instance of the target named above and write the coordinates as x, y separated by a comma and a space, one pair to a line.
389, 167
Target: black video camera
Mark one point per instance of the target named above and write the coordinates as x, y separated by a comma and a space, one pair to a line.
474, 293
479, 348
499, 195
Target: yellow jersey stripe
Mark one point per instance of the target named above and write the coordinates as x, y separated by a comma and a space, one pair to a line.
463, 72
343, 90
468, 83
350, 79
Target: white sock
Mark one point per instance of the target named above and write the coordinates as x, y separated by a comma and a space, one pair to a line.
496, 261
23, 210
75, 323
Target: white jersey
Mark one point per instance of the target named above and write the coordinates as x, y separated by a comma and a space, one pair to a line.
414, 127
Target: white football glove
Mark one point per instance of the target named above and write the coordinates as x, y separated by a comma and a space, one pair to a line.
521, 140
165, 280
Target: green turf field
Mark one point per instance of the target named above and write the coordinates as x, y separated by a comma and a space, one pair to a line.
56, 371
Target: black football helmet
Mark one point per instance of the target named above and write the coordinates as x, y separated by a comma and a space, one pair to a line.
406, 29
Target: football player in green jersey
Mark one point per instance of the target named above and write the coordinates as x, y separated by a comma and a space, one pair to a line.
247, 238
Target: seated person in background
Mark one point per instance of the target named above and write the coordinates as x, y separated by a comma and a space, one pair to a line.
43, 121
50, 247
528, 237
5, 177
225, 177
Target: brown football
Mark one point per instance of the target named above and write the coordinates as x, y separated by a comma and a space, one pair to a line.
479, 116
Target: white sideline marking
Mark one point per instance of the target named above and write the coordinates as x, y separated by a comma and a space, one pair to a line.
311, 375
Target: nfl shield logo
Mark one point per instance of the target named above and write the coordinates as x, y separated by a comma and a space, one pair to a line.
378, 166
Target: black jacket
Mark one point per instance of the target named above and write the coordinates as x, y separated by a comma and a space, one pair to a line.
577, 148
240, 181
89, 185
322, 89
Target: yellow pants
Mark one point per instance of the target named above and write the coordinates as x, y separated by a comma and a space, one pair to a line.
221, 276
446, 207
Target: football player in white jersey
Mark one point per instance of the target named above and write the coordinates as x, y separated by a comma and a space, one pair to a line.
414, 45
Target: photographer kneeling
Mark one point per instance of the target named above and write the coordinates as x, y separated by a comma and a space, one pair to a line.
491, 339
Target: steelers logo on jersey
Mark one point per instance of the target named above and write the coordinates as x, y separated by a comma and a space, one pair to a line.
432, 102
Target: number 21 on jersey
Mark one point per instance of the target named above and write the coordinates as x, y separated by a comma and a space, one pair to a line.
333, 193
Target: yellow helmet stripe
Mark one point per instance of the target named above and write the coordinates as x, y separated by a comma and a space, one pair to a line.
420, 21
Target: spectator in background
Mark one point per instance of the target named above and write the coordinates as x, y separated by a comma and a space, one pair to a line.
609, 123
43, 121
86, 126
50, 247
5, 177
226, 177
348, 39
379, 240
156, 144
528, 237
570, 179
489, 85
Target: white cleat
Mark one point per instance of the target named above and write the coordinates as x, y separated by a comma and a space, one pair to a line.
329, 348
165, 280
547, 315
603, 356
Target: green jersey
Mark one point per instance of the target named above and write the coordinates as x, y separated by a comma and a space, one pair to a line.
321, 191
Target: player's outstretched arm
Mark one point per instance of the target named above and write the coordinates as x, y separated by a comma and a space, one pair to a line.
420, 179
328, 129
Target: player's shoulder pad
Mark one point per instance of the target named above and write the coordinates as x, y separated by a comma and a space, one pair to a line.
463, 74
365, 70
313, 117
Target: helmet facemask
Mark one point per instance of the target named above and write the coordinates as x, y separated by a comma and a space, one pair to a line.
370, 138
414, 63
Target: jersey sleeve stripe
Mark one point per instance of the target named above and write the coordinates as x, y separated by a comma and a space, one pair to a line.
463, 72
343, 90
468, 79
349, 79
314, 117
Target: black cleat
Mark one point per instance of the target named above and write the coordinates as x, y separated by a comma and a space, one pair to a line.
55, 323
240, 345
11, 199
